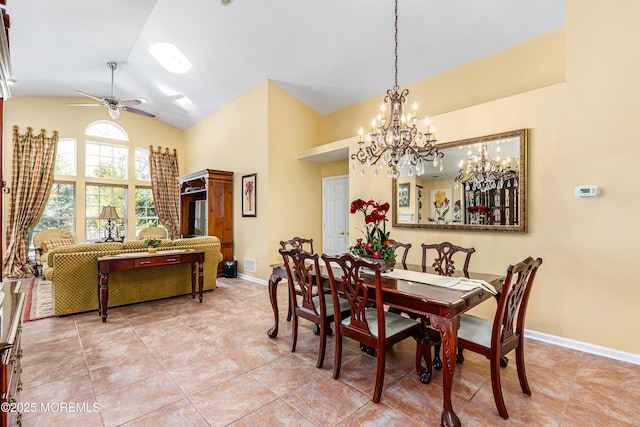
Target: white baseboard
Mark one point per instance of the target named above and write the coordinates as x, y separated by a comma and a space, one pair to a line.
253, 279
583, 346
551, 339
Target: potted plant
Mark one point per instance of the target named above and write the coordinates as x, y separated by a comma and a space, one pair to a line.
377, 247
152, 245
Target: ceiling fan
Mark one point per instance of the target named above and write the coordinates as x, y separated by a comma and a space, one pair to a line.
114, 104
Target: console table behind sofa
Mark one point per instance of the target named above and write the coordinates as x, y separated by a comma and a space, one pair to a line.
73, 270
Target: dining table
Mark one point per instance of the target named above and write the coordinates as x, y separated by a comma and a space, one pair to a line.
440, 299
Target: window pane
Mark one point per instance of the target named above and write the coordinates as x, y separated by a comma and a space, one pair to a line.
97, 197
59, 211
142, 165
106, 129
106, 160
66, 157
146, 215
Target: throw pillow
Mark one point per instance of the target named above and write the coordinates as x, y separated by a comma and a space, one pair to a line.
47, 245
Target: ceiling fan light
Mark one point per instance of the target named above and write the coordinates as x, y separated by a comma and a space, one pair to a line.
114, 113
168, 55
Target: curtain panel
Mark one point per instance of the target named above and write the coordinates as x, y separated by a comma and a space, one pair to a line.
166, 189
33, 164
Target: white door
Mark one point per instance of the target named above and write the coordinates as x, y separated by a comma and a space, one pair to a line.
335, 215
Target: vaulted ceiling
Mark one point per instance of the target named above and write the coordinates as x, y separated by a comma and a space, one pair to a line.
329, 54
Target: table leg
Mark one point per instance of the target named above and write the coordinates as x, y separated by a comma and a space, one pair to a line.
274, 279
193, 280
200, 278
448, 329
104, 295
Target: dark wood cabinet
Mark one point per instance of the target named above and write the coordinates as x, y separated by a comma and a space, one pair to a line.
11, 308
206, 208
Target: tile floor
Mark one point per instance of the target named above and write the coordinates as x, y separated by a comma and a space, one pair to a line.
175, 362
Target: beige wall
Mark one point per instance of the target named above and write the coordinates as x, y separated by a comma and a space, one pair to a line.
261, 132
235, 138
53, 114
582, 131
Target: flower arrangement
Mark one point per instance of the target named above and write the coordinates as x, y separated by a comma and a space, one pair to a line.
377, 243
480, 212
151, 243
442, 204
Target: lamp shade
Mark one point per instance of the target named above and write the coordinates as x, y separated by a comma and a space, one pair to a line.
109, 212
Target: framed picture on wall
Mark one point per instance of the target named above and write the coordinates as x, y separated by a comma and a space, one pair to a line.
403, 195
249, 195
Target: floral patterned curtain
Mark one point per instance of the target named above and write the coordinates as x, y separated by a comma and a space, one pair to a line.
33, 163
166, 190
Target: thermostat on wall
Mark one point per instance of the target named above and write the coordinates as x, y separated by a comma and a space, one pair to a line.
587, 192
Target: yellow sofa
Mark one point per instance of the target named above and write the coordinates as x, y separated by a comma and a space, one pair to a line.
73, 269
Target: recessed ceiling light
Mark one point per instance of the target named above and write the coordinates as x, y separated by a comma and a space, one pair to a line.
143, 99
184, 101
11, 81
170, 57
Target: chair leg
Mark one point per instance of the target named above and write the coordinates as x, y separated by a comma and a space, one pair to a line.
497, 388
323, 345
381, 359
459, 356
437, 361
338, 354
423, 351
522, 373
294, 332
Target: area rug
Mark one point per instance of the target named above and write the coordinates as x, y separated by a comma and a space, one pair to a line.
39, 304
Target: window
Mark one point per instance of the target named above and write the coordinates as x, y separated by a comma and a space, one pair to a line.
143, 173
106, 160
66, 157
98, 196
60, 209
106, 129
146, 215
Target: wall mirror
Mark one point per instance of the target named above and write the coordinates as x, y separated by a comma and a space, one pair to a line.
480, 184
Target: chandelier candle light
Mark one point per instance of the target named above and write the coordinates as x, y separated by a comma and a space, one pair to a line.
396, 141
484, 173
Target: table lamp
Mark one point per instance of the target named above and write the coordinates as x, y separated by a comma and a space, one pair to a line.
109, 213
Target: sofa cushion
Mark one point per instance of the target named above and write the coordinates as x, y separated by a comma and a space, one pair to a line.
47, 245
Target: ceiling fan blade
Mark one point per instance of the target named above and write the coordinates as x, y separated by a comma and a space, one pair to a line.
130, 102
137, 111
91, 96
84, 105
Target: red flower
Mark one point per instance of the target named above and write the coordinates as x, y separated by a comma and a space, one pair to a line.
358, 205
376, 254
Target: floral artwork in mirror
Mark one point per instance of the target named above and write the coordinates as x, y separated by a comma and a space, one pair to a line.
481, 184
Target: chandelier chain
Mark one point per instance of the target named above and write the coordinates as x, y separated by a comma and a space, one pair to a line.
396, 87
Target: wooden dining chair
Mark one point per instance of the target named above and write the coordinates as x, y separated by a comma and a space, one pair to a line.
405, 250
302, 245
298, 243
444, 255
363, 324
443, 259
495, 338
304, 280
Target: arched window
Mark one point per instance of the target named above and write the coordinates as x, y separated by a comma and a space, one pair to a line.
106, 129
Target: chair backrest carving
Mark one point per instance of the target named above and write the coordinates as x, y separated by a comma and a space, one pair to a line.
443, 262
350, 285
298, 243
301, 270
514, 298
406, 247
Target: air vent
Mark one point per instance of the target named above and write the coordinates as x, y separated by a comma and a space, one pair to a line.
250, 265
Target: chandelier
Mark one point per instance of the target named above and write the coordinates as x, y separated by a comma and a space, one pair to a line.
484, 173
396, 141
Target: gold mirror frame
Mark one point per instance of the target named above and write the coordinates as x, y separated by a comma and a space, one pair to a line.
520, 227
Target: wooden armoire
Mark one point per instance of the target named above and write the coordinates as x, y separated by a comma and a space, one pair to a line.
206, 208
